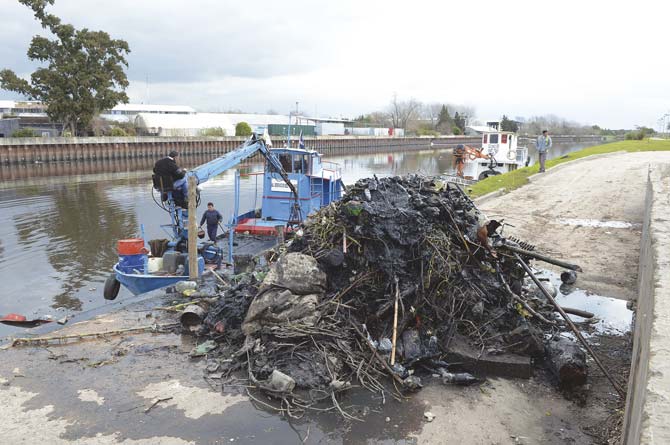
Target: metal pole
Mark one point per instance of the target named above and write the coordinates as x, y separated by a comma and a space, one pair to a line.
572, 326
541, 257
288, 139
192, 229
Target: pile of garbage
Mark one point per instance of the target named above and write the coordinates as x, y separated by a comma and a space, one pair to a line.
381, 286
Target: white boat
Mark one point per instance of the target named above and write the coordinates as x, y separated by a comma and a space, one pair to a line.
499, 153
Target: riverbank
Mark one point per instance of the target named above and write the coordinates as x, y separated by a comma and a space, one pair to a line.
108, 391
520, 177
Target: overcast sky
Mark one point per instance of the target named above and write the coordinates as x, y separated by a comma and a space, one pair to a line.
596, 62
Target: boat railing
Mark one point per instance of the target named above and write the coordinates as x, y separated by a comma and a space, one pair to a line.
331, 166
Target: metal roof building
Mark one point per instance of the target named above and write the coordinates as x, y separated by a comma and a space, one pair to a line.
193, 124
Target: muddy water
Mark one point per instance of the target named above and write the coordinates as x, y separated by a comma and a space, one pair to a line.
59, 223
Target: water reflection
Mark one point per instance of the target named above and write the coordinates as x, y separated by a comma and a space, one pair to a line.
77, 232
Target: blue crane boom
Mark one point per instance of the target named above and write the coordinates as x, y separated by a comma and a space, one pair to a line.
217, 166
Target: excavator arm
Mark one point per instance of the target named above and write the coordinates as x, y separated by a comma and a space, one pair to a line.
217, 166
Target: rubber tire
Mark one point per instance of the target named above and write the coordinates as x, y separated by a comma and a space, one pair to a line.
112, 287
487, 173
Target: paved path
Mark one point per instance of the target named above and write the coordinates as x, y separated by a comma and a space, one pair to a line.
606, 188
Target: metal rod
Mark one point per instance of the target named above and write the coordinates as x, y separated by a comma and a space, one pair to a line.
541, 257
573, 328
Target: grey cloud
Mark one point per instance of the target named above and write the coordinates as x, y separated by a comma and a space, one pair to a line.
182, 41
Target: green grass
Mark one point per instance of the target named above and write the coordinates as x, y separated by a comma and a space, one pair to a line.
517, 178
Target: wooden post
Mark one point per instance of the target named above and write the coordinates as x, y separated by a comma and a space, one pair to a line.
192, 229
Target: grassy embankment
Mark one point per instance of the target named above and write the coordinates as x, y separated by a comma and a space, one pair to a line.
519, 177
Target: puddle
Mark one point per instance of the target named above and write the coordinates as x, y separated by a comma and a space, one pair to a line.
614, 318
598, 223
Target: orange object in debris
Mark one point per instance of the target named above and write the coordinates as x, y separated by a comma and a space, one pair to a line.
133, 246
13, 317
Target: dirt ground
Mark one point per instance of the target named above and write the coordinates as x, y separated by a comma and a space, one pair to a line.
605, 188
145, 389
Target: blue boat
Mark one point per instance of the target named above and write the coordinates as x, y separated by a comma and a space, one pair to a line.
296, 183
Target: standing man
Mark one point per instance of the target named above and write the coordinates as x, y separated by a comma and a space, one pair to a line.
213, 218
543, 145
459, 159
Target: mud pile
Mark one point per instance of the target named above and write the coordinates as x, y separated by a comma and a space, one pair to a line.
380, 285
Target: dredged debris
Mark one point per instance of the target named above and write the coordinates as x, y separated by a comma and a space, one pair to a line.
376, 287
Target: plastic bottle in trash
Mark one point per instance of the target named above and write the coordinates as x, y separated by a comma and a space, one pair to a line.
459, 378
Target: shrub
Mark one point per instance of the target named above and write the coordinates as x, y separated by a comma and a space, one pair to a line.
214, 132
456, 131
25, 133
242, 129
635, 135
117, 132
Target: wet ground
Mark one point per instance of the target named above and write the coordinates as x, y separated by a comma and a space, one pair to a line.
59, 222
146, 389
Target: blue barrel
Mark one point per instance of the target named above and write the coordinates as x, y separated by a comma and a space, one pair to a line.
132, 263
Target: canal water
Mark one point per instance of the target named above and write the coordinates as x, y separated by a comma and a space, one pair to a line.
59, 223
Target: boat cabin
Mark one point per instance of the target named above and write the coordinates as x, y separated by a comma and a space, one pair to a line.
318, 183
501, 155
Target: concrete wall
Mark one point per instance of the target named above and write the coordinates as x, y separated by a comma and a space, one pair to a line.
648, 401
29, 150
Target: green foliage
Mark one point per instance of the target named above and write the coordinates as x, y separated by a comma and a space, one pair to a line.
117, 132
445, 123
242, 129
25, 133
456, 131
637, 135
507, 124
214, 132
425, 129
459, 122
84, 71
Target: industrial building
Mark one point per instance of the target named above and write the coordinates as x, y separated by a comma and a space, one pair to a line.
153, 124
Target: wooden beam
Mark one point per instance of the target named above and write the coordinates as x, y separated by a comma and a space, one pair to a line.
192, 229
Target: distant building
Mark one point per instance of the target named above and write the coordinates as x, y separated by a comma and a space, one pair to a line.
152, 124
128, 112
22, 108
478, 130
8, 127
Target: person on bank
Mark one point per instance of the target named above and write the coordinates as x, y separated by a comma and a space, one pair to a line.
213, 218
168, 177
459, 159
543, 146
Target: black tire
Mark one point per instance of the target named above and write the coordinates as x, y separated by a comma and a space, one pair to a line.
112, 287
487, 173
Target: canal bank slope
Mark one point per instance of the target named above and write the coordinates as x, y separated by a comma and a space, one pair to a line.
143, 388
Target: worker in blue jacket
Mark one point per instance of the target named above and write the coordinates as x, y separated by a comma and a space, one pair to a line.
213, 218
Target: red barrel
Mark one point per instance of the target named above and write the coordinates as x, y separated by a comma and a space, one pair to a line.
132, 246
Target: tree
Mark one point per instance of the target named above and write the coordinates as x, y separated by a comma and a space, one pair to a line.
84, 72
507, 124
402, 112
459, 122
445, 122
242, 129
